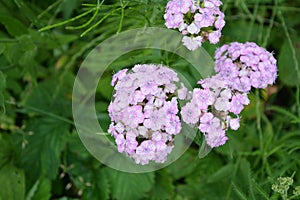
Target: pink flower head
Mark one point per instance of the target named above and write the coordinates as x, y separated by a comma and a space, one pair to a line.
144, 112
197, 21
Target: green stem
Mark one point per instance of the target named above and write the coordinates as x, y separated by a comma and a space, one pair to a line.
67, 21
253, 17
258, 125
122, 16
99, 22
270, 25
90, 20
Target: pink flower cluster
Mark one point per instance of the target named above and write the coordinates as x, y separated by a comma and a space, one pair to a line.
144, 112
245, 65
212, 108
198, 21
216, 106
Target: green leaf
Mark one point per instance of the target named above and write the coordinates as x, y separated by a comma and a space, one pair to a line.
105, 88
99, 188
184, 166
41, 190
222, 173
286, 64
238, 192
50, 99
2, 48
5, 150
2, 105
260, 191
67, 7
2, 82
44, 147
12, 183
163, 188
13, 26
129, 186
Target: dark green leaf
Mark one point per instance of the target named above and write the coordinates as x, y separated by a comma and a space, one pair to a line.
163, 188
5, 150
184, 166
99, 188
286, 63
13, 26
223, 173
44, 147
41, 190
129, 186
2, 81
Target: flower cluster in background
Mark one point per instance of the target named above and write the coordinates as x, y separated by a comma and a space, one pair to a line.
216, 106
198, 21
144, 112
245, 65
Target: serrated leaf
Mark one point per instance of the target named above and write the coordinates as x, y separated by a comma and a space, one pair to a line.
163, 188
13, 26
44, 147
244, 179
12, 183
49, 98
129, 186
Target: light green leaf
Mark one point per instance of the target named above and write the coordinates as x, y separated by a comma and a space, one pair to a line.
129, 186
12, 183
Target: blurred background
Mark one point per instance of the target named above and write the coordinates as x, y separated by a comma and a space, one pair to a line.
43, 43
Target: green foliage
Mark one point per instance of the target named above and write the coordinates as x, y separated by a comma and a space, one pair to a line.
129, 186
43, 43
